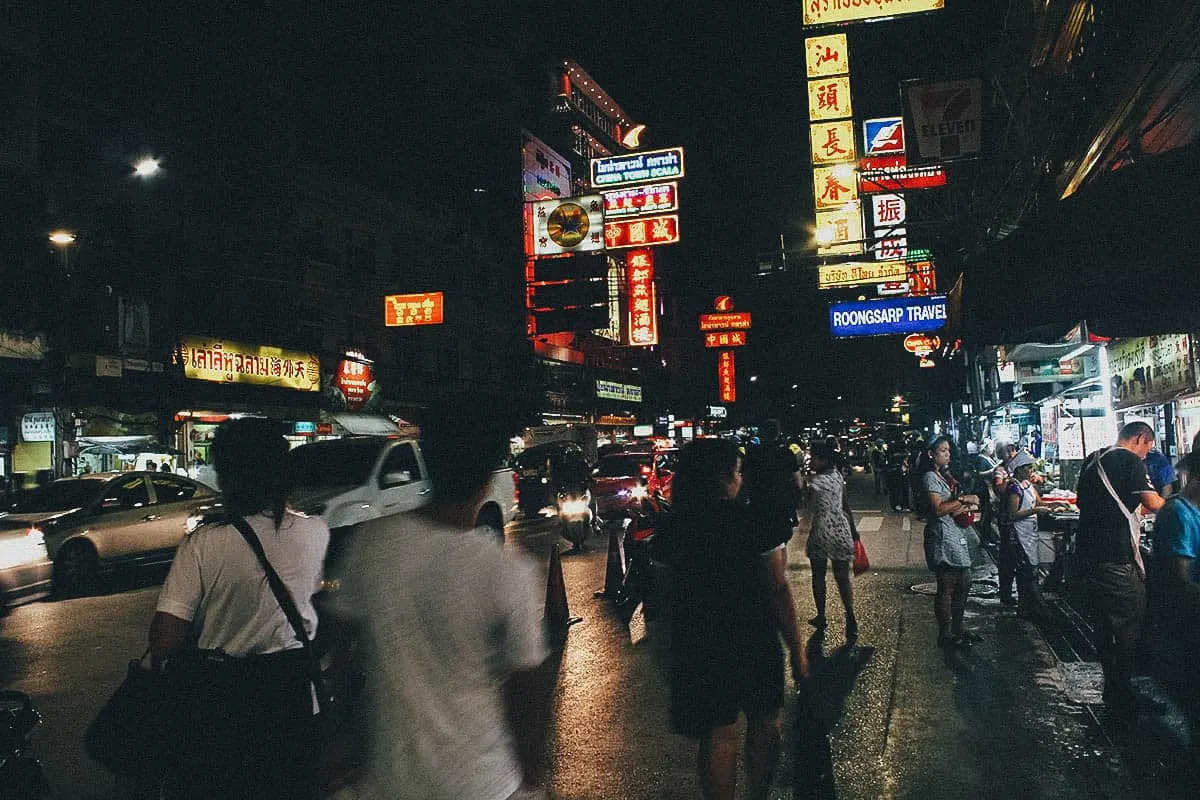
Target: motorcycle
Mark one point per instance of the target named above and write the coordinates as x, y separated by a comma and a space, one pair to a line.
21, 775
575, 517
646, 575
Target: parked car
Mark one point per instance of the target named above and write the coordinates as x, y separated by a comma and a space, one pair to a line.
622, 480
70, 531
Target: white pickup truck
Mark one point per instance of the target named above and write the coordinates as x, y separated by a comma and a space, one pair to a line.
360, 478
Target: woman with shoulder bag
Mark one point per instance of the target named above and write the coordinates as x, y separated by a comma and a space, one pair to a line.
949, 516
253, 729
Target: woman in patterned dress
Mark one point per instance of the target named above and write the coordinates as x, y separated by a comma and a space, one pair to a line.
832, 536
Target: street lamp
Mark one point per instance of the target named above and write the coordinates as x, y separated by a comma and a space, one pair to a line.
146, 167
62, 241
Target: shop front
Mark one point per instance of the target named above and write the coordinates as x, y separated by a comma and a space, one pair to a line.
616, 411
24, 389
1149, 376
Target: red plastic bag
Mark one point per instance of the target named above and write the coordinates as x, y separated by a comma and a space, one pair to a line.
861, 562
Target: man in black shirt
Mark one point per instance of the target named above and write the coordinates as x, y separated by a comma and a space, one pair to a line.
1107, 546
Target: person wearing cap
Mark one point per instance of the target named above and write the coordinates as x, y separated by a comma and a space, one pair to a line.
1023, 504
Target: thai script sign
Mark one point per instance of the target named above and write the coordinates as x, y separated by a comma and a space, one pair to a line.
38, 427
403, 310
892, 174
854, 273
653, 165
887, 316
612, 390
222, 361
828, 12
637, 200
643, 300
734, 320
15, 345
641, 231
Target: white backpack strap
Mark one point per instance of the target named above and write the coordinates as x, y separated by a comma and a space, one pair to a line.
1135, 528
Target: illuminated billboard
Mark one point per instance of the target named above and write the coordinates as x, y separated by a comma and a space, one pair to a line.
887, 316
891, 174
653, 165
650, 199
829, 98
826, 55
832, 142
733, 320
223, 361
562, 227
545, 175
405, 310
884, 135
830, 12
854, 273
834, 187
641, 231
643, 299
725, 339
726, 377
840, 232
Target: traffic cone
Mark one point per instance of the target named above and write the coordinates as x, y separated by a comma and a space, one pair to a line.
614, 571
557, 615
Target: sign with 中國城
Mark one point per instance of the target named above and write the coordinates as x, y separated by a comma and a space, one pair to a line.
834, 187
611, 390
826, 55
855, 273
725, 339
887, 316
38, 427
223, 361
947, 119
641, 231
832, 142
649, 199
566, 226
652, 165
404, 310
830, 12
829, 98
545, 175
840, 232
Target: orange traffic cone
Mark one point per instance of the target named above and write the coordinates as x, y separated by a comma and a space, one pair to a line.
557, 615
614, 571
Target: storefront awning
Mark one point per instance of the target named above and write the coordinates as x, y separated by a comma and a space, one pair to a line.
366, 424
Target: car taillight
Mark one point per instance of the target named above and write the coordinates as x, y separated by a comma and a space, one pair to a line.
645, 469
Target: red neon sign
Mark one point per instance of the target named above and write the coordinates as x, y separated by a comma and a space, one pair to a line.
725, 339
402, 310
735, 320
725, 376
641, 231
635, 200
891, 174
643, 311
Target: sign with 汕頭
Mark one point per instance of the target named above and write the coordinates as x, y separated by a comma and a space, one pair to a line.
947, 119
830, 12
403, 310
641, 231
887, 316
834, 187
725, 339
855, 273
652, 165
840, 232
883, 135
726, 376
826, 55
642, 298
733, 320
650, 199
611, 390
545, 175
832, 142
566, 226
223, 361
829, 98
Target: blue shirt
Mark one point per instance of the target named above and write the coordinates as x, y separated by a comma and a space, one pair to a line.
1177, 533
1159, 468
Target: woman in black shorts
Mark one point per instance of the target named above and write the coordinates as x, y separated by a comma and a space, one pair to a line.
731, 603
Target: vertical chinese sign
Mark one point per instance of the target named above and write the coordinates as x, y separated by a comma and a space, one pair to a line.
643, 311
832, 145
726, 376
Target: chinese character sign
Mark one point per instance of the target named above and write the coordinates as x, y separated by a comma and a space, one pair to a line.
641, 231
840, 232
223, 361
642, 299
725, 339
834, 187
888, 210
726, 378
829, 98
402, 310
826, 55
652, 199
832, 142
558, 227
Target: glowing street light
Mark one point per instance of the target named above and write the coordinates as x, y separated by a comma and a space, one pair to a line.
146, 167
61, 238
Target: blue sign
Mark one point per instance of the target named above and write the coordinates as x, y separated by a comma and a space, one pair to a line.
888, 316
302, 428
883, 136
653, 165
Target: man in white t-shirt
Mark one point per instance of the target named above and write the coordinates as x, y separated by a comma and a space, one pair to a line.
454, 623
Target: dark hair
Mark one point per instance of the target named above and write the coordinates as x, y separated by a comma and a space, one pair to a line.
1135, 430
925, 463
250, 457
823, 451
704, 466
464, 438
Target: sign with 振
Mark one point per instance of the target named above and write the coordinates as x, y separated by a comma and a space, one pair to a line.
947, 119
404, 310
652, 165
830, 12
223, 361
563, 227
855, 273
826, 55
887, 316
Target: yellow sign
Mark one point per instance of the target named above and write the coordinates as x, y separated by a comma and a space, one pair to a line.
826, 55
223, 361
833, 187
855, 273
833, 142
829, 98
827, 12
840, 232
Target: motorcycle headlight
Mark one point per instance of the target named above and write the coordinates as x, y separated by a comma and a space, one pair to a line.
638, 492
573, 508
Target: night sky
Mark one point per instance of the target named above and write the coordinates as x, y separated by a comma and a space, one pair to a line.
402, 95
